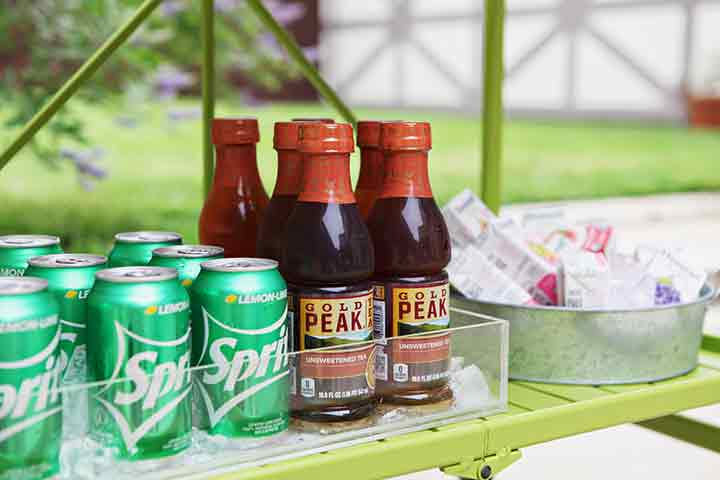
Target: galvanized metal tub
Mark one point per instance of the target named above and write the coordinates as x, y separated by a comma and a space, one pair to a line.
594, 347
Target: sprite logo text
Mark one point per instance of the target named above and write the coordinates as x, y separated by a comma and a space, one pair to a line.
149, 382
36, 397
229, 366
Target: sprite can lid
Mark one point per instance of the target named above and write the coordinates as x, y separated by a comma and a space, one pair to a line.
67, 260
28, 241
188, 251
147, 237
239, 265
136, 274
21, 285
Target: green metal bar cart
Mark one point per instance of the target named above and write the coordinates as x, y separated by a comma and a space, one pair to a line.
477, 448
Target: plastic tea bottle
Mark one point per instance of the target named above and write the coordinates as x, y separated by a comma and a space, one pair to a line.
327, 261
234, 208
412, 248
287, 186
371, 165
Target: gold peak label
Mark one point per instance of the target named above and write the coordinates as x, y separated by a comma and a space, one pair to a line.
231, 299
151, 310
187, 282
420, 309
332, 321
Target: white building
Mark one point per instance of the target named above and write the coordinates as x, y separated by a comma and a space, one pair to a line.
564, 58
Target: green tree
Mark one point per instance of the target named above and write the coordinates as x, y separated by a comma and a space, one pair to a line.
47, 40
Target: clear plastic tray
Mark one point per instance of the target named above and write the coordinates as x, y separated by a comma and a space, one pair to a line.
477, 377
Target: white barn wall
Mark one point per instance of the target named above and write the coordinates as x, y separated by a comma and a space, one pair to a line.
565, 58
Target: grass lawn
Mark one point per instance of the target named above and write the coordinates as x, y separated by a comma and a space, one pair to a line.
155, 168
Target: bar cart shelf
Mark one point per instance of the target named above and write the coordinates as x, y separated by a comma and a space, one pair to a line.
537, 413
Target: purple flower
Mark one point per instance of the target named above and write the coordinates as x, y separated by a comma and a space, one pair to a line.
271, 46
176, 115
311, 53
285, 13
170, 8
251, 100
127, 121
168, 81
84, 162
225, 5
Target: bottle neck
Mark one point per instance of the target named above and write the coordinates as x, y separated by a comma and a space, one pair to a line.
326, 179
406, 175
371, 169
289, 173
236, 167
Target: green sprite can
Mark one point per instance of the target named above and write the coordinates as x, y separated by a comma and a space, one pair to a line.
135, 248
186, 259
240, 343
16, 250
70, 277
138, 336
30, 370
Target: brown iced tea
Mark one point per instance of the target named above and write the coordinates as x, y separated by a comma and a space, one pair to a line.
371, 165
327, 260
412, 248
287, 186
234, 207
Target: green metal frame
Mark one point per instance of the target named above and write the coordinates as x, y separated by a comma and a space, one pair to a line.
537, 412
492, 97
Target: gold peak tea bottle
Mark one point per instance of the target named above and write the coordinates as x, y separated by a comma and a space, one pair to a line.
234, 208
371, 165
287, 186
327, 260
412, 248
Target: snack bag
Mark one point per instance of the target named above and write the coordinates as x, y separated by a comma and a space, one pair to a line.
585, 280
503, 243
677, 280
475, 277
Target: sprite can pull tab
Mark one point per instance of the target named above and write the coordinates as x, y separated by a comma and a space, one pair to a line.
240, 343
186, 259
16, 250
31, 408
135, 248
138, 337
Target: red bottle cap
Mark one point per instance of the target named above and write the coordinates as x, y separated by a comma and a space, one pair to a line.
286, 135
235, 131
406, 136
368, 133
326, 138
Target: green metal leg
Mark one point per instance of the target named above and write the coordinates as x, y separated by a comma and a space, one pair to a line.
296, 54
83, 74
208, 90
686, 429
711, 343
493, 103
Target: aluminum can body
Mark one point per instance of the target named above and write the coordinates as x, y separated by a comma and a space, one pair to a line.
70, 278
135, 248
138, 338
240, 344
30, 373
16, 250
186, 259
